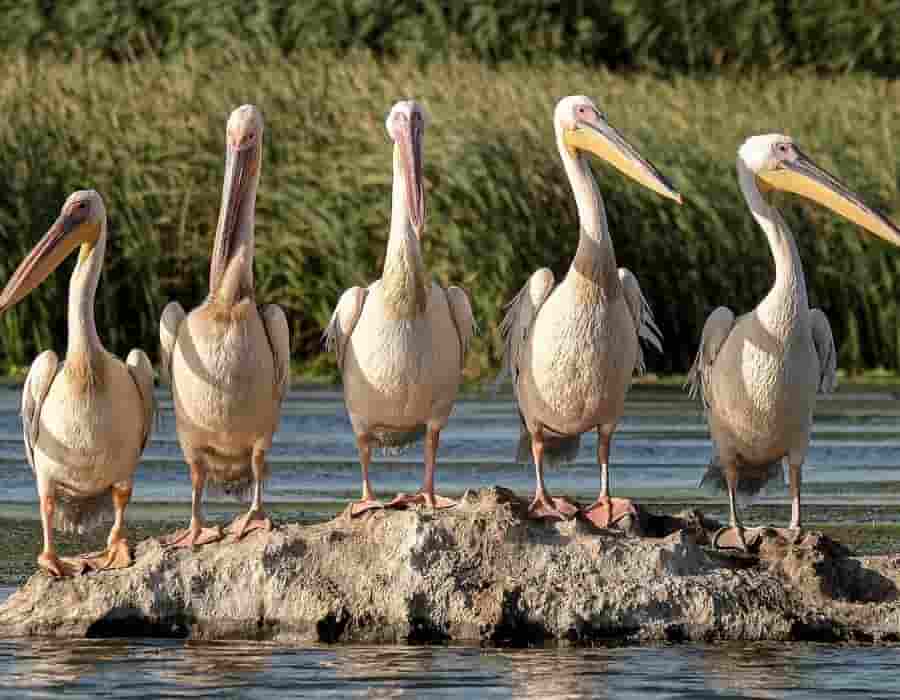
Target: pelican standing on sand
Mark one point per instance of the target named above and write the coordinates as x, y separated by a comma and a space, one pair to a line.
572, 348
227, 362
86, 421
400, 342
758, 374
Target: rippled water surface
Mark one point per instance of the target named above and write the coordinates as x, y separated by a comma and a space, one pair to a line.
659, 454
97, 669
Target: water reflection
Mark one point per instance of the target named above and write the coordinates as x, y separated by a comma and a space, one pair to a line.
198, 665
49, 663
758, 671
95, 669
558, 673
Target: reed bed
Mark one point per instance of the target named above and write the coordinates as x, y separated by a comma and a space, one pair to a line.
661, 35
149, 135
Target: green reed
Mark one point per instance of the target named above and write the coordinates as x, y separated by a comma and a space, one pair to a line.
149, 136
668, 35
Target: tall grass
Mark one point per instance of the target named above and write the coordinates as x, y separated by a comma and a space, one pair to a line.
693, 35
149, 136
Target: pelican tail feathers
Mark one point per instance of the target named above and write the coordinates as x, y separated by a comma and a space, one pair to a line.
79, 513
393, 442
751, 481
234, 479
558, 451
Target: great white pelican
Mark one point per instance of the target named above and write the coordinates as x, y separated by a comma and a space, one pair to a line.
572, 348
401, 341
758, 375
86, 421
228, 361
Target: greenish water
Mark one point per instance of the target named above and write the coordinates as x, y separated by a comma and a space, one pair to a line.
853, 492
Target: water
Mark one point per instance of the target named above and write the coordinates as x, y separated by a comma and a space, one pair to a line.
111, 668
658, 455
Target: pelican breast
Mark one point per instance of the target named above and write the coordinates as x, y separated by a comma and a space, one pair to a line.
223, 374
768, 411
579, 361
88, 437
389, 365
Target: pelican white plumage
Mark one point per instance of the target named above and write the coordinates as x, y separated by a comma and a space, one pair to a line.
400, 342
87, 420
759, 374
227, 361
572, 348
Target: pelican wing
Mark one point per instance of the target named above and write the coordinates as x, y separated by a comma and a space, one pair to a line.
716, 329
641, 314
142, 373
463, 319
276, 326
169, 324
343, 321
520, 315
37, 386
824, 342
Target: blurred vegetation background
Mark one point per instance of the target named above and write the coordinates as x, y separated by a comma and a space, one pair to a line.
131, 96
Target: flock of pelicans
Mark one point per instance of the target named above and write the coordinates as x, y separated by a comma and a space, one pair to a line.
572, 347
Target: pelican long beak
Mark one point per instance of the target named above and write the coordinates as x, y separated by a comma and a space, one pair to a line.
803, 177
604, 141
409, 146
64, 236
241, 165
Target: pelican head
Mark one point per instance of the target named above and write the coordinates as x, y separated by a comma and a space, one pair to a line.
243, 158
79, 224
581, 126
779, 164
406, 125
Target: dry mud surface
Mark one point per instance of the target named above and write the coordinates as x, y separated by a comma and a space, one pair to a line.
477, 573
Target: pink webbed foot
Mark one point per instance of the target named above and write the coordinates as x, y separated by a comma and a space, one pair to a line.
251, 521
59, 568
544, 507
116, 556
421, 498
608, 512
193, 537
731, 539
366, 505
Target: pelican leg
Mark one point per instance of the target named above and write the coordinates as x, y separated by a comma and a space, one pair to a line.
735, 532
116, 555
544, 506
432, 440
426, 495
256, 518
796, 481
368, 501
605, 511
48, 560
196, 534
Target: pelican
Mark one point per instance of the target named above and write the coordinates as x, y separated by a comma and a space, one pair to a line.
227, 361
572, 348
87, 420
758, 374
400, 343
